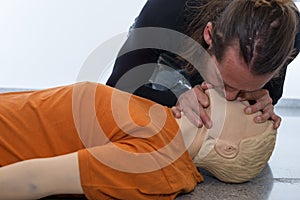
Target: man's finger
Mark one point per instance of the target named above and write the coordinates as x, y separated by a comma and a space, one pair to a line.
176, 112
277, 121
194, 118
202, 98
254, 95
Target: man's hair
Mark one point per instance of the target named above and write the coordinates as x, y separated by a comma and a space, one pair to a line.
254, 153
265, 30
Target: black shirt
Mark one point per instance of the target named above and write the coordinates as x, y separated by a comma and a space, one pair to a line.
165, 14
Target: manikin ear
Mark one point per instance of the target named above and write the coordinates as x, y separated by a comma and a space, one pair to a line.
226, 150
207, 34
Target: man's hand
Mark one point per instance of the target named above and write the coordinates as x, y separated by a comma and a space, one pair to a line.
193, 103
263, 103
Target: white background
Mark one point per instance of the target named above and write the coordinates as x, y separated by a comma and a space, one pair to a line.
43, 43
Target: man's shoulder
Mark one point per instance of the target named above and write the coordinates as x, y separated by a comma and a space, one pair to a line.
161, 13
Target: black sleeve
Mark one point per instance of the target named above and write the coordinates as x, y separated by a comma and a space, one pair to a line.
126, 74
275, 86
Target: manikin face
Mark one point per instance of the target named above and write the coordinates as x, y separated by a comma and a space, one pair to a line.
231, 126
233, 71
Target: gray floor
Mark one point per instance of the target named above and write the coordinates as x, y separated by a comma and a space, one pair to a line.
280, 180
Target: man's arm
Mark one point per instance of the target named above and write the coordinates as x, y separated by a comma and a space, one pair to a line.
155, 13
37, 178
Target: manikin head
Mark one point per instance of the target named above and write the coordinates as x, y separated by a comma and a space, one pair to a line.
238, 149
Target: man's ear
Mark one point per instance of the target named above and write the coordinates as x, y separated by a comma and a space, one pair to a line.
226, 150
207, 34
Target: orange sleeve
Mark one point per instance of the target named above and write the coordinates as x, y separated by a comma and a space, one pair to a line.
36, 124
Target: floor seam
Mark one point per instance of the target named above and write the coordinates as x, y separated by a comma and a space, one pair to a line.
287, 180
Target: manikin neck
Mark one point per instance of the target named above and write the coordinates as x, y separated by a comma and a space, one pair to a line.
193, 136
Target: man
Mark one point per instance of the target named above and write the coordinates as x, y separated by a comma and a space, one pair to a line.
98, 141
248, 40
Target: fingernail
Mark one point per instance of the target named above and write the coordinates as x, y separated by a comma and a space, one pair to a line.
248, 110
240, 99
258, 119
198, 123
209, 124
276, 126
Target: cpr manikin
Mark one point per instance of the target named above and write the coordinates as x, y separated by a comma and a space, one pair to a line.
139, 157
236, 149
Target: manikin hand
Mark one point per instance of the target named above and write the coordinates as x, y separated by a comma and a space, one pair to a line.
193, 103
263, 103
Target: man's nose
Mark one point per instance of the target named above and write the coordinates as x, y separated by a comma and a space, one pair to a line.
231, 95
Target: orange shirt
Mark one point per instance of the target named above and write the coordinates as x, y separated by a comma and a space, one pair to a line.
123, 163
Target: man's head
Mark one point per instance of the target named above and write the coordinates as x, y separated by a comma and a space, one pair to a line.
249, 40
237, 149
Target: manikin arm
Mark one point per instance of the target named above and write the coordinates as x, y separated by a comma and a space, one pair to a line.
37, 178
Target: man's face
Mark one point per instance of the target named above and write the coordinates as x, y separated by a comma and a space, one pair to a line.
236, 75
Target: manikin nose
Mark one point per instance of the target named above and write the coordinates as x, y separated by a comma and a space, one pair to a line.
231, 95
